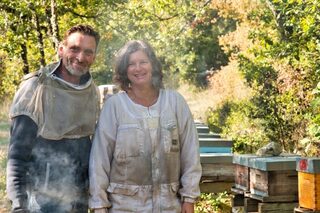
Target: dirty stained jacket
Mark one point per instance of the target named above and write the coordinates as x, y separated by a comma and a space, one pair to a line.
144, 159
47, 169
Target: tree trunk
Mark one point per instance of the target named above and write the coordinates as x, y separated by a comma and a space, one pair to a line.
54, 24
40, 41
24, 57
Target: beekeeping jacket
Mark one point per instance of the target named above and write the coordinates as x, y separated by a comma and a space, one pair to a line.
52, 125
144, 159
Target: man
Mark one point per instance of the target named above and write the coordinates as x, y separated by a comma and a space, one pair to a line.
53, 118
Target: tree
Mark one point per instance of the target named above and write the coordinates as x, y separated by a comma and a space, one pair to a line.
282, 67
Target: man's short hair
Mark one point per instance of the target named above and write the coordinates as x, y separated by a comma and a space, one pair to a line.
84, 29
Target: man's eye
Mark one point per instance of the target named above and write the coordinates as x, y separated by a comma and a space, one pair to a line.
74, 49
88, 53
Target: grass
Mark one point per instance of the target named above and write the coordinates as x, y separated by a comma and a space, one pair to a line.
4, 140
226, 84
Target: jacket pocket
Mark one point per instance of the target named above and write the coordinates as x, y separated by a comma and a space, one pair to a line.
123, 189
124, 198
169, 198
170, 136
129, 142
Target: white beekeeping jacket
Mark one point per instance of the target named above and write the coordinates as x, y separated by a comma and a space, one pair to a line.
144, 159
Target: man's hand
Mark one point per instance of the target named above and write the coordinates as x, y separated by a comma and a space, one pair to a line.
187, 207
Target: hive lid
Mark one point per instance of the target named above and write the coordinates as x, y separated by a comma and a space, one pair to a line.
274, 163
215, 142
243, 159
216, 158
309, 165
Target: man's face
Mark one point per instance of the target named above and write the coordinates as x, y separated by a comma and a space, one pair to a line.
78, 53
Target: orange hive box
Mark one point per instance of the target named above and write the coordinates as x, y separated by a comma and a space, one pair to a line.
309, 183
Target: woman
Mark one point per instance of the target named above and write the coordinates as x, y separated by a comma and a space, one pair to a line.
145, 153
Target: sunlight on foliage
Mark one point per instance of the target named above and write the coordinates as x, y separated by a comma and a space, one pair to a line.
213, 203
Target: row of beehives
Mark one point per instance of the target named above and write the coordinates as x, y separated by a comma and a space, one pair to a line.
287, 183
216, 160
273, 183
212, 142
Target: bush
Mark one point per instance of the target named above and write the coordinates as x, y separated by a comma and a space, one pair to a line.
211, 202
234, 119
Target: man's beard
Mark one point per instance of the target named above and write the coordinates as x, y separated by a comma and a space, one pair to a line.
72, 71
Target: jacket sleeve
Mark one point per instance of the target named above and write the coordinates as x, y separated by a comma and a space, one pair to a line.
190, 156
101, 156
23, 135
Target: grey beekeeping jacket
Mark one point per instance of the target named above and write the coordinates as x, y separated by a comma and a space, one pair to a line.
60, 109
50, 142
144, 159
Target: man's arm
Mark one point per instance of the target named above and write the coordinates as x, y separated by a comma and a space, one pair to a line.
23, 135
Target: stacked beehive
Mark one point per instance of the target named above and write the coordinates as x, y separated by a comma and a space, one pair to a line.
309, 184
265, 184
216, 161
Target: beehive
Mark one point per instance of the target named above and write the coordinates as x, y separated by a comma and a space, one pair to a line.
242, 170
215, 145
217, 172
274, 177
309, 183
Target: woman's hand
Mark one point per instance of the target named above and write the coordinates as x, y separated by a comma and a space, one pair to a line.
187, 207
103, 210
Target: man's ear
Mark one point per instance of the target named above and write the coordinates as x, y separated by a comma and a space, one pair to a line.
60, 49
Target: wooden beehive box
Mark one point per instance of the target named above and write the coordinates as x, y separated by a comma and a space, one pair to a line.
242, 171
217, 172
274, 179
209, 135
215, 145
201, 128
309, 182
217, 166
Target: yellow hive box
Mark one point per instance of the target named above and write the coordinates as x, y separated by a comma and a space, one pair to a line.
309, 183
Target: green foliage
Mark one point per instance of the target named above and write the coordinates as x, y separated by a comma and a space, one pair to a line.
211, 202
315, 125
281, 114
281, 68
181, 33
8, 79
102, 77
216, 118
235, 120
205, 31
311, 144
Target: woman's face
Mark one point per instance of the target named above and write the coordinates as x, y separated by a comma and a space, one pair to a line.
139, 70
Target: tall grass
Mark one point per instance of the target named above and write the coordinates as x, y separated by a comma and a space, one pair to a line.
4, 141
226, 84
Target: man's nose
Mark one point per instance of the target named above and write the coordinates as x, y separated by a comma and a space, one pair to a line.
81, 56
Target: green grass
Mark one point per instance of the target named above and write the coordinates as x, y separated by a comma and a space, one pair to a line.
4, 140
4, 133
